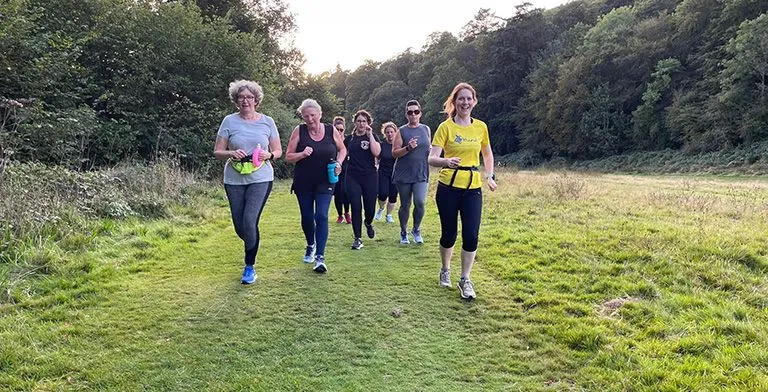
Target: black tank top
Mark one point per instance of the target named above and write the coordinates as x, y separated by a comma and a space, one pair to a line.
311, 173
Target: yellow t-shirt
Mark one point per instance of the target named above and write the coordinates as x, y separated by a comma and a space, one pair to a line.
465, 142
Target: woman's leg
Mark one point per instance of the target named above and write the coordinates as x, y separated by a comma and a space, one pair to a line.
307, 210
392, 195
338, 199
354, 194
406, 194
370, 187
322, 204
255, 198
419, 204
471, 211
236, 197
447, 200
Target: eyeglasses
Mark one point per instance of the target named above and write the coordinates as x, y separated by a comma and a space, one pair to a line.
413, 112
246, 98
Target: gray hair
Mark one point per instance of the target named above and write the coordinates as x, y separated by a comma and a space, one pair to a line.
309, 103
236, 87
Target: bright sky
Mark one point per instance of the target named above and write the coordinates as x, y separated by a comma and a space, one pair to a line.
347, 32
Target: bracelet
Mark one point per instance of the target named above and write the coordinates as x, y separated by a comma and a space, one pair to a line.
407, 147
271, 156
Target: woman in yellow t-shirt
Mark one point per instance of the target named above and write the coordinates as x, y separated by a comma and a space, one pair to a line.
461, 140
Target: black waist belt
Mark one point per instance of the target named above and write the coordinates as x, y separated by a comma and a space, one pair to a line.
470, 169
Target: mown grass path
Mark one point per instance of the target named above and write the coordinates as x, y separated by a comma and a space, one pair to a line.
584, 282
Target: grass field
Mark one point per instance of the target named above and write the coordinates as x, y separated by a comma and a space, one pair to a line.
584, 283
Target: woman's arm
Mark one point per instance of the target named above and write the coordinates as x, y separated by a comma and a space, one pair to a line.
488, 164
398, 150
375, 145
275, 148
434, 159
341, 150
291, 155
222, 152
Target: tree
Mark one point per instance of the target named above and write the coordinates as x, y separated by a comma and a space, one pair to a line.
387, 102
744, 80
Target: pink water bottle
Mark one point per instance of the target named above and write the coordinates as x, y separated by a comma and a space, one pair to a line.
256, 153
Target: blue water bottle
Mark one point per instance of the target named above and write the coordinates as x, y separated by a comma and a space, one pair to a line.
332, 176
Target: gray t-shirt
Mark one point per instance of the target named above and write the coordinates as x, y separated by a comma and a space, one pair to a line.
412, 167
247, 135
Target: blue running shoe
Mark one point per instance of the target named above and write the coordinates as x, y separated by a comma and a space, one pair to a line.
309, 255
416, 233
249, 275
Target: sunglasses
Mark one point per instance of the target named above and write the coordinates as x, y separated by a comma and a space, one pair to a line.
413, 112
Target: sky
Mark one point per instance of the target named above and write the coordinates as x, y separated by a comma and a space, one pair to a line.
347, 32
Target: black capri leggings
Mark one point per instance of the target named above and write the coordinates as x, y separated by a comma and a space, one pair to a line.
387, 190
452, 202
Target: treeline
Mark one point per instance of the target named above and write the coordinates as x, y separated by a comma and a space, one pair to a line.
90, 83
591, 79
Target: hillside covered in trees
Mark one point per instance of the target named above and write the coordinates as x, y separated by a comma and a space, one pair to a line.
90, 83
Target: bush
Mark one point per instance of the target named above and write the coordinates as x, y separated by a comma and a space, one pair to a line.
40, 201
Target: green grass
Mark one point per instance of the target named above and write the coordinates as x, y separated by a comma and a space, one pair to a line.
584, 283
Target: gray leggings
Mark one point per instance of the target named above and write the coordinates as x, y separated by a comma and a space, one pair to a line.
246, 203
418, 192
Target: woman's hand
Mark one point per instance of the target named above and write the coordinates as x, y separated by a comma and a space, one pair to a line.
413, 143
337, 169
238, 154
307, 151
453, 163
492, 184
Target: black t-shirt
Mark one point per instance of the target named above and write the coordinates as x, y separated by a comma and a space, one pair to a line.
359, 155
386, 160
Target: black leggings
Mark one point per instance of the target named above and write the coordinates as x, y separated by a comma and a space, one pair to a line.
469, 204
387, 190
339, 198
361, 193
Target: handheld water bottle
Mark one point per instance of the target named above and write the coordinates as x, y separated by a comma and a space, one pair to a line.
256, 161
332, 176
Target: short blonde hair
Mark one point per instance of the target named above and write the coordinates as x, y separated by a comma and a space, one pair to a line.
388, 124
309, 103
236, 87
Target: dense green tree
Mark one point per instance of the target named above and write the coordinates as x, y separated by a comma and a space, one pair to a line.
649, 130
744, 80
387, 103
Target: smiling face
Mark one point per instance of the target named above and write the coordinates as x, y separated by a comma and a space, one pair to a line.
246, 101
464, 102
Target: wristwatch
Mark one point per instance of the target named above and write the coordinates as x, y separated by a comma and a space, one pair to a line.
491, 176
